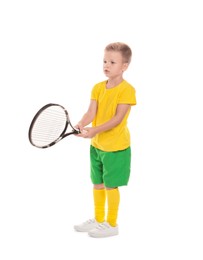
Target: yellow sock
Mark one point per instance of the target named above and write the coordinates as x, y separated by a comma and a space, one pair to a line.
113, 198
99, 204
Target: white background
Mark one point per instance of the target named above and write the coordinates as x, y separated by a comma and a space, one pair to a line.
52, 51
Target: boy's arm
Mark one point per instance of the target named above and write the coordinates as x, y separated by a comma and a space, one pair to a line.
88, 116
121, 111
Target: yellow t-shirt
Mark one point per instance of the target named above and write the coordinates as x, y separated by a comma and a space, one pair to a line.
117, 138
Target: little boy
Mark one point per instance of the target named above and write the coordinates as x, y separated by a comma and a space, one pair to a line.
110, 152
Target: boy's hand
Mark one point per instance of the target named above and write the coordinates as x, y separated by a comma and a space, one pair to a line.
88, 132
78, 127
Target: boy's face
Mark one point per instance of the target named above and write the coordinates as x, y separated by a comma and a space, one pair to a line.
114, 65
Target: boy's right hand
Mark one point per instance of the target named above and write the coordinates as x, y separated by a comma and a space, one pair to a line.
79, 127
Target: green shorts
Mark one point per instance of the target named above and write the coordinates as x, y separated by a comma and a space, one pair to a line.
110, 168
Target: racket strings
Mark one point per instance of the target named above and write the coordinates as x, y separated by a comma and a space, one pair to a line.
49, 126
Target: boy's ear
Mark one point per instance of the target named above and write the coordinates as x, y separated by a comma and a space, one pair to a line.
125, 66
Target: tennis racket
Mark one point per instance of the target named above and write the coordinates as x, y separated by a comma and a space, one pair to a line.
50, 125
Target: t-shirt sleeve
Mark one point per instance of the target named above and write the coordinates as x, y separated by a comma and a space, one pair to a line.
94, 93
128, 96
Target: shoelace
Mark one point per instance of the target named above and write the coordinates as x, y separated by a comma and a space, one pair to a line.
89, 221
103, 226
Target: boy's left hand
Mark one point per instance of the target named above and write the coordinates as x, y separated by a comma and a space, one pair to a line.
88, 132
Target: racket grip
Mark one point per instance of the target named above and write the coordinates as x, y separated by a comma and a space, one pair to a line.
77, 131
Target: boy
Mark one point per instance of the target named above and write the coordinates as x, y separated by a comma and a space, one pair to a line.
110, 153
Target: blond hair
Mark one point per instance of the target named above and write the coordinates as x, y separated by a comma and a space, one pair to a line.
121, 47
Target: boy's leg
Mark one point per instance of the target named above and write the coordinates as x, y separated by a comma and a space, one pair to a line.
113, 198
99, 204
99, 195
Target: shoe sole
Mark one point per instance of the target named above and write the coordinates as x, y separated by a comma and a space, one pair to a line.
82, 230
101, 235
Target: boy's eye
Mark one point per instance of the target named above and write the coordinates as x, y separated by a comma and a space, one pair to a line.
112, 62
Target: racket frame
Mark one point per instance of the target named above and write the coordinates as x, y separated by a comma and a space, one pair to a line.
61, 136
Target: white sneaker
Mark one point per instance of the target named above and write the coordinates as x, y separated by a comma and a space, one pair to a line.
103, 230
86, 226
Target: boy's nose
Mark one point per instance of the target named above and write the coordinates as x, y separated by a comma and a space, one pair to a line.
106, 65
